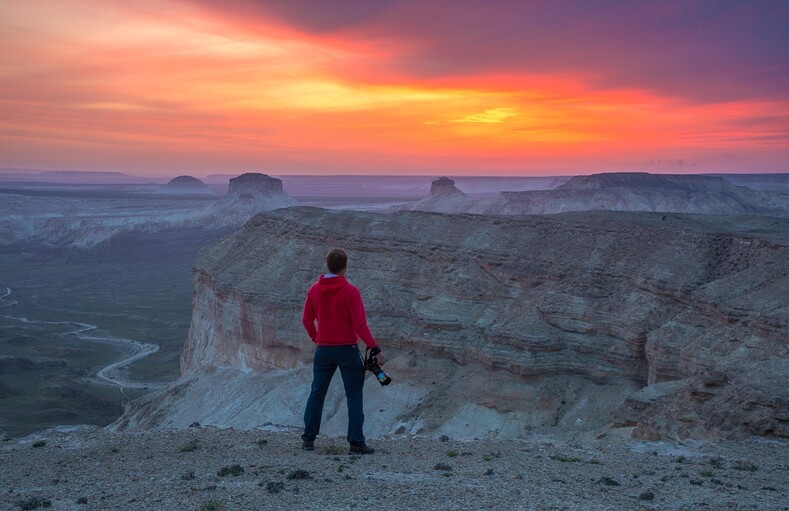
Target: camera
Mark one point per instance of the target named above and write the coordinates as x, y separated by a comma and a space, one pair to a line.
371, 364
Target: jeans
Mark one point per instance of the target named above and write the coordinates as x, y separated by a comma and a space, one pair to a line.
325, 363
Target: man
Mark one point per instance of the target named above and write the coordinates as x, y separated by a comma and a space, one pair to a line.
338, 307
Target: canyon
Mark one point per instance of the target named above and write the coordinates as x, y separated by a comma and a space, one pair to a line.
589, 324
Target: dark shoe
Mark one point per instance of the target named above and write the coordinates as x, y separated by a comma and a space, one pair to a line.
308, 445
360, 449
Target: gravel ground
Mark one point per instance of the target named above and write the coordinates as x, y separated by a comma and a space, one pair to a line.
88, 468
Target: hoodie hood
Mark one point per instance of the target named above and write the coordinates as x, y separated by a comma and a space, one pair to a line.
331, 285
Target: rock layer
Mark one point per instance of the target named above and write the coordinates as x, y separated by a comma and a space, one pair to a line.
443, 186
641, 192
248, 195
444, 197
544, 321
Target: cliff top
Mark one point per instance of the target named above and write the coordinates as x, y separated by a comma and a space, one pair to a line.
186, 182
443, 187
255, 181
210, 468
641, 180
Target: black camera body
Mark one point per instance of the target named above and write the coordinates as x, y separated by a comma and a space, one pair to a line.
371, 364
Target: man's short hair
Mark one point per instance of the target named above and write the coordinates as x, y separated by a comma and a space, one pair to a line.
336, 260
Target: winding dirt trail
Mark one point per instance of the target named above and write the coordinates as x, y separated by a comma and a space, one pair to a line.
109, 374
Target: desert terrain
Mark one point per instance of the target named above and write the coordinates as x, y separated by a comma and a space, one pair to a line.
590, 359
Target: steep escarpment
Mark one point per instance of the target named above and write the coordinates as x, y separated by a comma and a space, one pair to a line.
248, 195
641, 192
444, 197
564, 321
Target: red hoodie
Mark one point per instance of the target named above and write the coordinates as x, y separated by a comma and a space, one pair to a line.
338, 307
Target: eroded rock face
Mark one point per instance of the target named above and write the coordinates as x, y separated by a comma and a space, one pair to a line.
621, 302
255, 182
444, 197
248, 195
641, 192
443, 186
624, 191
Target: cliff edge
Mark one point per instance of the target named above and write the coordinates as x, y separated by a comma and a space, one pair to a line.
674, 326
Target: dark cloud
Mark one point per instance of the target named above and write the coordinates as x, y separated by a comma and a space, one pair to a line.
704, 50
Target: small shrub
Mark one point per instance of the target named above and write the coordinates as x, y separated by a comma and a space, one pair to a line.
647, 495
707, 473
680, 459
210, 505
33, 503
262, 442
333, 450
594, 462
744, 465
275, 486
716, 462
443, 466
608, 481
452, 454
487, 457
231, 470
299, 474
39, 443
191, 446
115, 449
565, 459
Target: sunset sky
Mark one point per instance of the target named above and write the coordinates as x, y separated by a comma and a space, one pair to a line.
509, 87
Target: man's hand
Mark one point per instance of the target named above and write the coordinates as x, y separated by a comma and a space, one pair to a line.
381, 359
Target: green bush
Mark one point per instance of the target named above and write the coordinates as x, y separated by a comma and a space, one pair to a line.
191, 446
211, 505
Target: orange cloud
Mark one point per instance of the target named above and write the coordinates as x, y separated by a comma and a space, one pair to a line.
105, 85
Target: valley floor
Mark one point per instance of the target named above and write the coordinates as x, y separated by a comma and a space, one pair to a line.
202, 468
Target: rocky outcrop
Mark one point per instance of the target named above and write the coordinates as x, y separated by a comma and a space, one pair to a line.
248, 195
185, 185
444, 197
444, 186
641, 192
674, 326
